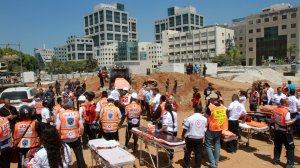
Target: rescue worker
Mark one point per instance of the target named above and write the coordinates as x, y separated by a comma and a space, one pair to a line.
5, 143
283, 133
110, 117
235, 111
69, 124
196, 97
147, 96
9, 112
217, 122
133, 114
57, 108
102, 103
89, 115
193, 132
25, 133
278, 96
45, 113
254, 99
37, 104
125, 101
78, 92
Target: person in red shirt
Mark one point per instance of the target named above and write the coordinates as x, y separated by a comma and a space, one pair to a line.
254, 99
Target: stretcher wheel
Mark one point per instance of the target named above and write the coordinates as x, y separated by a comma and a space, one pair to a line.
247, 144
142, 163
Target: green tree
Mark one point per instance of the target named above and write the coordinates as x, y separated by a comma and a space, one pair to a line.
231, 58
293, 49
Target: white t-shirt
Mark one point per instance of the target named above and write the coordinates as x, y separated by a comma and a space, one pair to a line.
167, 120
32, 104
41, 158
98, 107
236, 109
45, 113
156, 101
196, 126
294, 103
270, 93
278, 97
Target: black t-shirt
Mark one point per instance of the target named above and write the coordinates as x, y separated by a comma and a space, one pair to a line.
4, 112
208, 112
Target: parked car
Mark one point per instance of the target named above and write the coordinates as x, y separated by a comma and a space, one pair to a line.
18, 96
296, 62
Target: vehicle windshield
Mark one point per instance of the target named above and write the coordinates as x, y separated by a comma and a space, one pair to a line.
14, 95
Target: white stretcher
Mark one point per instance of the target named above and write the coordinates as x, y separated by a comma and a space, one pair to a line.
159, 143
109, 154
252, 130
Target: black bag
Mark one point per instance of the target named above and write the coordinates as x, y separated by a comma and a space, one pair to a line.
156, 114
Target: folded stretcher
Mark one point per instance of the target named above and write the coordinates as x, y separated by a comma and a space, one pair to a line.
228, 136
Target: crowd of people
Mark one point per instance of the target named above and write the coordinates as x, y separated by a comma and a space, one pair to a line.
196, 69
42, 133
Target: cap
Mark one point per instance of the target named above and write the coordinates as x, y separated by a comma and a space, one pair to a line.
212, 95
134, 95
125, 88
81, 98
110, 97
196, 87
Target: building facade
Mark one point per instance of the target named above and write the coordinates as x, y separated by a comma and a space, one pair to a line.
195, 45
268, 35
180, 19
110, 23
43, 55
105, 54
79, 48
154, 53
127, 51
60, 53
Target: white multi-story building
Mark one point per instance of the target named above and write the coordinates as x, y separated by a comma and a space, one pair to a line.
109, 23
105, 54
154, 53
60, 53
180, 19
79, 48
196, 45
43, 55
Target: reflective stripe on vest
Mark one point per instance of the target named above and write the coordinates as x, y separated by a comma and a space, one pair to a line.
69, 128
133, 112
110, 118
5, 131
38, 107
218, 119
30, 139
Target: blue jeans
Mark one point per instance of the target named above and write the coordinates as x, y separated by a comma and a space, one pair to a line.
213, 138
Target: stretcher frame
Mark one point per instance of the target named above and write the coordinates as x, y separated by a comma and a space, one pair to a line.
253, 130
100, 161
158, 146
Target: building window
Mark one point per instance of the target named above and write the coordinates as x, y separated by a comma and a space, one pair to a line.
117, 17
283, 27
250, 40
241, 45
91, 20
117, 28
293, 35
81, 56
96, 29
178, 20
257, 30
241, 38
124, 18
212, 33
192, 19
258, 21
284, 17
125, 37
185, 19
293, 15
293, 25
124, 29
89, 48
250, 22
266, 19
96, 18
101, 16
275, 18
110, 36
86, 21
157, 29
109, 16
118, 37
250, 31
250, 49
203, 34
171, 22
109, 27
185, 28
197, 20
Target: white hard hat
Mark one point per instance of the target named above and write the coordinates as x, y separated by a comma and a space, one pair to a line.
134, 95
81, 98
125, 88
110, 97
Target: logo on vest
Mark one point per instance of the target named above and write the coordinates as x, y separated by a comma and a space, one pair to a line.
110, 115
25, 143
70, 121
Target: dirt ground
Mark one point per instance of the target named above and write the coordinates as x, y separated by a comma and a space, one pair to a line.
258, 154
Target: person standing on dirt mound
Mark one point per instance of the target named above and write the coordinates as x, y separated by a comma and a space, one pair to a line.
196, 97
254, 99
204, 70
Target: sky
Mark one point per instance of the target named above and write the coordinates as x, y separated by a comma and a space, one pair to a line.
33, 23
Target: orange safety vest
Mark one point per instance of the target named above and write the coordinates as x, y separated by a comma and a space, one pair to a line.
133, 112
110, 118
4, 132
279, 114
39, 106
103, 102
217, 121
56, 109
69, 124
30, 139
